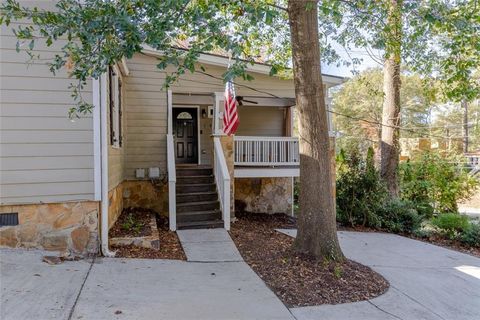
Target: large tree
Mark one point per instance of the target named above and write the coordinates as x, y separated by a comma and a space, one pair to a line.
99, 33
317, 205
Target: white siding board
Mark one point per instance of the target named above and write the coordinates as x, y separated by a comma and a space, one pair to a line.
46, 189
46, 123
51, 198
22, 69
45, 150
37, 110
29, 83
45, 176
39, 96
50, 136
41, 163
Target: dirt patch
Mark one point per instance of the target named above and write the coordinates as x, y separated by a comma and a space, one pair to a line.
170, 247
296, 279
133, 222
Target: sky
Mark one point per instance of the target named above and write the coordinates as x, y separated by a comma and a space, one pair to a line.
346, 71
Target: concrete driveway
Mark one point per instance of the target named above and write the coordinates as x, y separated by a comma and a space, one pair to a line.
426, 281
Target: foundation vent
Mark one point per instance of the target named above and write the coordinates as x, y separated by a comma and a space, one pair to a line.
8, 219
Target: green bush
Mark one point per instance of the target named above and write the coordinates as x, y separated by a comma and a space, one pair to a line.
399, 216
471, 235
435, 181
360, 193
451, 223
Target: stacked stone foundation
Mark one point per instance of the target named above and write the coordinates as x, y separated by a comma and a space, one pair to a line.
65, 227
264, 195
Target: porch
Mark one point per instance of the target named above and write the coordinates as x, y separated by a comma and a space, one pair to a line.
264, 148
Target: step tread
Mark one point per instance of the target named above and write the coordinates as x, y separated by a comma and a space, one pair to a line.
195, 184
200, 176
199, 212
197, 193
195, 203
217, 222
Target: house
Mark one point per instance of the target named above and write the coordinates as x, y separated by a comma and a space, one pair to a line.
63, 183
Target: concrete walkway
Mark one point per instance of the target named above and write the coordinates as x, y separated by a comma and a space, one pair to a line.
426, 281
208, 245
215, 283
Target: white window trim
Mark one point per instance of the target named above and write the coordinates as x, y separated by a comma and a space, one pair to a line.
116, 114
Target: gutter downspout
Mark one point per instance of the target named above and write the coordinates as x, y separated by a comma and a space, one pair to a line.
104, 167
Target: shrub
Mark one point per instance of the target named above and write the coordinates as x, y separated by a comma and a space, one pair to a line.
360, 192
451, 223
399, 216
471, 235
435, 181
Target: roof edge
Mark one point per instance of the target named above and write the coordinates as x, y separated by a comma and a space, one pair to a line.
222, 61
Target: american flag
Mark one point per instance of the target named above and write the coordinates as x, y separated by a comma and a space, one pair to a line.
230, 117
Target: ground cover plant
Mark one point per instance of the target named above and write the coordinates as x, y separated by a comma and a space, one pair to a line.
170, 247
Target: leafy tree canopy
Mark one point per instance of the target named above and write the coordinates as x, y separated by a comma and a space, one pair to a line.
440, 38
358, 105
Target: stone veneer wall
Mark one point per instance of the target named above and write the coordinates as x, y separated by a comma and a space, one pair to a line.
144, 194
65, 227
264, 195
115, 204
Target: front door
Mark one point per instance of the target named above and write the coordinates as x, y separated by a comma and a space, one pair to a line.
186, 135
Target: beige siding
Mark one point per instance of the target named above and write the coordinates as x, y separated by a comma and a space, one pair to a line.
261, 121
44, 156
146, 113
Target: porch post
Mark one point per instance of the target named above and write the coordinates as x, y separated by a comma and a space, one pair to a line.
228, 150
169, 112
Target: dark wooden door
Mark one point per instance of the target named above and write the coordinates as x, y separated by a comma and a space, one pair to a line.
186, 135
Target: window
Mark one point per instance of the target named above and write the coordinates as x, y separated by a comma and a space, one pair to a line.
184, 115
115, 107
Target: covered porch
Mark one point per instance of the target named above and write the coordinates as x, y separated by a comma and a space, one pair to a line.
262, 148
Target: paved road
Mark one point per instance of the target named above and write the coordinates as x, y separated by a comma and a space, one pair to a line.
427, 282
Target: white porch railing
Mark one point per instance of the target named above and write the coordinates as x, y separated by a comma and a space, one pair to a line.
266, 151
172, 181
473, 161
222, 178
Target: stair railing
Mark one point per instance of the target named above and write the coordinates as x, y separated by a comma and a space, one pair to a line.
222, 178
172, 181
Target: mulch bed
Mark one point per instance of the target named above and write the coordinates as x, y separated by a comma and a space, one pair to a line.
449, 244
133, 222
170, 247
300, 280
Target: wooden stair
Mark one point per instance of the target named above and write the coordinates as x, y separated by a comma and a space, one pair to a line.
197, 199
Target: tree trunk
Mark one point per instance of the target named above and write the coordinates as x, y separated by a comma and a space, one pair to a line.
465, 125
389, 143
317, 232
